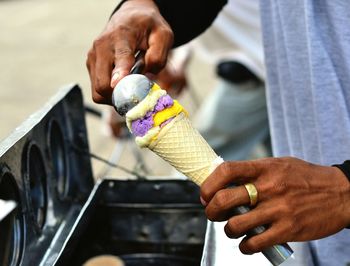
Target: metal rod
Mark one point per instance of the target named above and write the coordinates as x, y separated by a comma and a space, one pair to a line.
275, 254
139, 65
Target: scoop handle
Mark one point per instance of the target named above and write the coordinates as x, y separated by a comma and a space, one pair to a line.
139, 65
276, 254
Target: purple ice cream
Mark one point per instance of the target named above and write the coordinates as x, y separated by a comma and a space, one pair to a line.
141, 126
163, 102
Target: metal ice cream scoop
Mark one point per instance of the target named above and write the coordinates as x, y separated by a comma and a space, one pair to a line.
133, 88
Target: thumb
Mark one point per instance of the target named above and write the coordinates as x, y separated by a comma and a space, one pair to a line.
123, 62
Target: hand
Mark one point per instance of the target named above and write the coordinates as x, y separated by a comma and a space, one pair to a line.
172, 78
298, 201
137, 25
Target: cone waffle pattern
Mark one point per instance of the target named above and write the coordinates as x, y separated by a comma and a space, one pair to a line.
184, 148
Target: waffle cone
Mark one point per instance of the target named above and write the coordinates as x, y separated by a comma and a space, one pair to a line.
184, 148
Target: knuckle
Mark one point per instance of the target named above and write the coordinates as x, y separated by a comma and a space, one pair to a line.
90, 56
284, 164
274, 164
88, 63
284, 209
122, 28
220, 199
167, 33
280, 186
205, 192
100, 88
216, 205
155, 66
156, 62
100, 95
97, 98
210, 214
98, 42
225, 168
293, 227
255, 246
266, 162
102, 91
90, 59
123, 51
233, 228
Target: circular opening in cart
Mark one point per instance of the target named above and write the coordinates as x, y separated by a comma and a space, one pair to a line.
12, 225
59, 158
37, 185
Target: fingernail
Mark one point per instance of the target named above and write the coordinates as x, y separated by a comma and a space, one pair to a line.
204, 203
114, 79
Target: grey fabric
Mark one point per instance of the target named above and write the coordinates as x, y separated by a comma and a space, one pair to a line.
307, 54
233, 119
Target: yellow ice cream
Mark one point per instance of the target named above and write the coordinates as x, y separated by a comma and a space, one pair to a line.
168, 113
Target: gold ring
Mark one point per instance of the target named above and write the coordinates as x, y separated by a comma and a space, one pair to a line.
252, 192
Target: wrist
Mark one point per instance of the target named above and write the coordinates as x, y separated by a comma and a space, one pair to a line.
344, 168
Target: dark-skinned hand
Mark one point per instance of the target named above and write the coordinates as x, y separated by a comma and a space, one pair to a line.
137, 25
297, 200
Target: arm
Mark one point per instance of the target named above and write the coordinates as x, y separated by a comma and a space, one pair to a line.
187, 19
297, 200
138, 25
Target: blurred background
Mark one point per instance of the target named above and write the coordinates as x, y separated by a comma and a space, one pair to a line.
43, 46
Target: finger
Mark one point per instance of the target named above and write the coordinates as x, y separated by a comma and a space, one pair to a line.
240, 225
91, 63
272, 236
224, 201
227, 173
103, 70
160, 42
124, 59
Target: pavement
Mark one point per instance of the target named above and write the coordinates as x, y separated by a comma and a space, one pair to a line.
43, 46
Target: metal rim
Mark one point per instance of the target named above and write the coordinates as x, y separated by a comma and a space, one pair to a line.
58, 153
36, 182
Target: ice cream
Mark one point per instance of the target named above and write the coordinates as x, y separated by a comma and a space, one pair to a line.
161, 124
147, 118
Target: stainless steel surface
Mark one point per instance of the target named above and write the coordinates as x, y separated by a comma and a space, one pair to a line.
131, 90
139, 65
6, 207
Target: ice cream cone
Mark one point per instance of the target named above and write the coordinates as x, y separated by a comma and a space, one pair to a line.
184, 148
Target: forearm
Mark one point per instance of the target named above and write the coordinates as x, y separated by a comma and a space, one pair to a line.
187, 19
